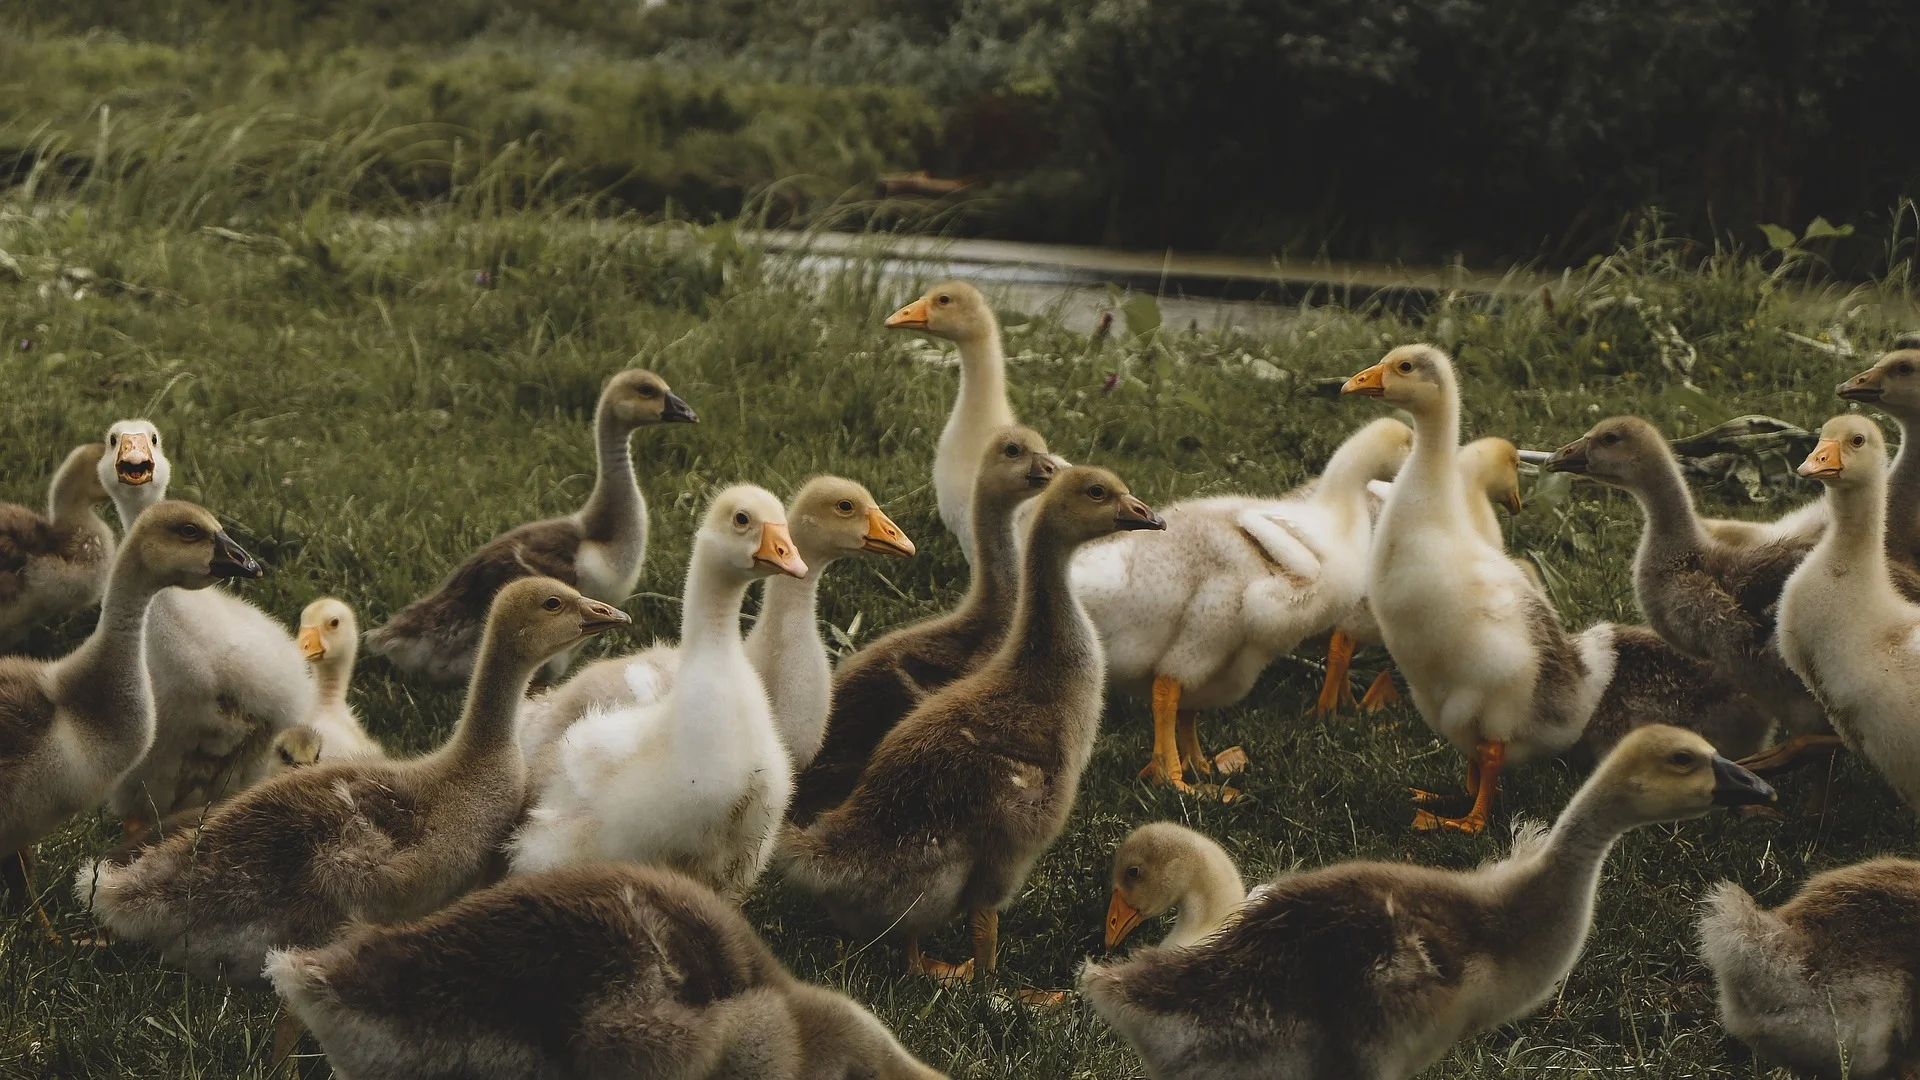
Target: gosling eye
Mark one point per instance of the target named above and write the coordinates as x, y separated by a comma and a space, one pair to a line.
1406, 367
1859, 440
552, 603
190, 531
1681, 759
1905, 368
648, 390
1611, 438
113, 440
156, 438
333, 623
1133, 873
1097, 492
945, 299
1013, 450
741, 519
845, 506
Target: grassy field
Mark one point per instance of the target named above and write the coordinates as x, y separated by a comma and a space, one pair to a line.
364, 400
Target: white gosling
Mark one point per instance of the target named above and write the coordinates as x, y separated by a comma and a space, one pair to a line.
1163, 867
330, 639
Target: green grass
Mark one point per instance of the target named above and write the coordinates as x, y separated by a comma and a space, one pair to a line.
363, 411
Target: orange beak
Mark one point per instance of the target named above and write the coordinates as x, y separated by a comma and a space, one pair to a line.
884, 537
777, 551
1122, 917
1514, 504
133, 461
1371, 382
911, 317
310, 644
1824, 463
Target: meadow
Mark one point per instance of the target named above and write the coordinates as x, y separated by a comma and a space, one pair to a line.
365, 397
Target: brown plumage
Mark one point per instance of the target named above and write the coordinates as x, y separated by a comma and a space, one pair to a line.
605, 970
966, 792
1832, 970
287, 862
1655, 683
876, 687
598, 549
54, 563
1368, 969
1712, 601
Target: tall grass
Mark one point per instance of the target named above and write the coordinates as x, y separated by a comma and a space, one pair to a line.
365, 397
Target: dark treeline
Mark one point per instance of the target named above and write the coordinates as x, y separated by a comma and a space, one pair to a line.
1414, 130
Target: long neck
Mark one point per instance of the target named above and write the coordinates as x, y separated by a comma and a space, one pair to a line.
981, 405
1851, 556
1343, 483
70, 502
785, 648
330, 678
1429, 476
789, 610
1662, 494
1548, 894
1903, 494
1049, 631
615, 501
129, 501
109, 669
995, 585
485, 732
713, 660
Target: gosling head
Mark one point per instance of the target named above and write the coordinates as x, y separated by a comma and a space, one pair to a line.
536, 618
1015, 467
1893, 383
1617, 451
1492, 465
953, 310
1384, 444
1156, 865
1417, 378
747, 527
1851, 452
1661, 773
182, 545
638, 398
296, 748
133, 470
329, 634
832, 516
1086, 502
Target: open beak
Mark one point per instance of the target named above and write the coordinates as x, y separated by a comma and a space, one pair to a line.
911, 317
1824, 463
1040, 474
1122, 917
1735, 786
133, 460
310, 644
1134, 514
777, 552
1862, 387
1514, 503
1369, 383
884, 537
596, 617
677, 411
230, 559
1571, 458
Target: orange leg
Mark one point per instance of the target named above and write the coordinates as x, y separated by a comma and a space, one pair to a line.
1794, 753
919, 963
1483, 775
1187, 737
1381, 693
986, 942
1336, 691
1165, 765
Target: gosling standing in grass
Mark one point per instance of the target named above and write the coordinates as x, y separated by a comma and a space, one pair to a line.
1373, 970
973, 786
598, 549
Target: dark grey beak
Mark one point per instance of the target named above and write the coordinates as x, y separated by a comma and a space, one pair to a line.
1571, 458
596, 617
1862, 387
230, 560
676, 411
1044, 466
1735, 786
1135, 514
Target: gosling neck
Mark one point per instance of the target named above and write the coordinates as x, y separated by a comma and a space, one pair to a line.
484, 734
789, 606
70, 501
981, 405
615, 505
1343, 483
1903, 494
330, 677
1549, 892
1050, 634
1215, 893
1430, 475
104, 681
1852, 554
129, 500
1672, 522
994, 588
